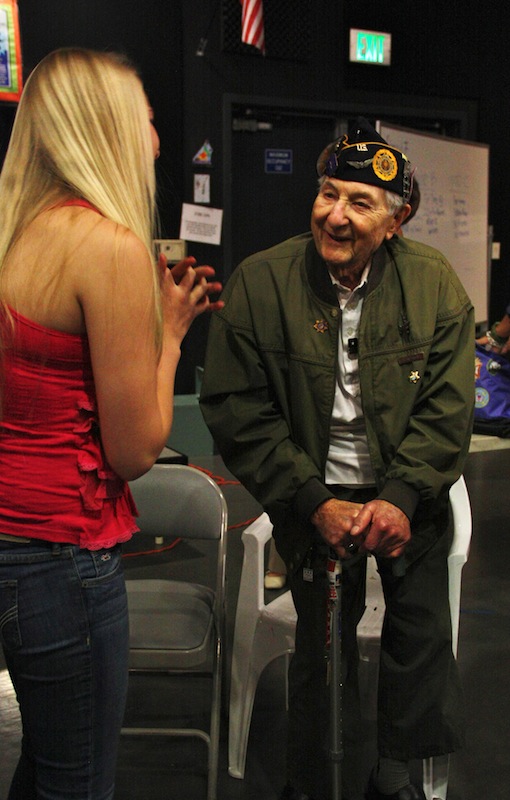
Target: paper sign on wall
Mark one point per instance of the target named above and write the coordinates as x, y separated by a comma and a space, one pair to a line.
202, 188
200, 224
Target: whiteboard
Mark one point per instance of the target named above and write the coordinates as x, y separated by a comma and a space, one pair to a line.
453, 215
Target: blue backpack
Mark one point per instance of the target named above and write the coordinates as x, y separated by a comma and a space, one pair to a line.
492, 393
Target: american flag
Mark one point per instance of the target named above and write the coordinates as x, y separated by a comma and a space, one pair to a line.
252, 31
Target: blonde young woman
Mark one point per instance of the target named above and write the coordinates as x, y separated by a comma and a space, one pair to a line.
90, 332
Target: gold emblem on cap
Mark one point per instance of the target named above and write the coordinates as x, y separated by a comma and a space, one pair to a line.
385, 165
414, 376
321, 325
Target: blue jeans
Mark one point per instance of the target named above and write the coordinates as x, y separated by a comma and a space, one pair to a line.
64, 632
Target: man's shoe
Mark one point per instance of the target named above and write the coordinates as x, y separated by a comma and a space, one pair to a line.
407, 793
289, 793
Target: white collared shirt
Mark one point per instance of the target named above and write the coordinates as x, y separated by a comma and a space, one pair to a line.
348, 458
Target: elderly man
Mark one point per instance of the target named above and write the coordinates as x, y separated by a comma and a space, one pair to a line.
339, 389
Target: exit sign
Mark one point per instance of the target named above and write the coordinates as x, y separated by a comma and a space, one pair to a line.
370, 47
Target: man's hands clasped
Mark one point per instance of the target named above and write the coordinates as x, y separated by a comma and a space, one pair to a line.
376, 527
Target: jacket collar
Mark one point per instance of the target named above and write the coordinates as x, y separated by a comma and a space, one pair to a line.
320, 281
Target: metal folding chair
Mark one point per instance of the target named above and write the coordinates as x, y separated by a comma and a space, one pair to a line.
176, 626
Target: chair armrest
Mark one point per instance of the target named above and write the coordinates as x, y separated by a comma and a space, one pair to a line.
254, 537
462, 523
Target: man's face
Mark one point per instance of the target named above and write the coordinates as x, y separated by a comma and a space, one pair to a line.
349, 222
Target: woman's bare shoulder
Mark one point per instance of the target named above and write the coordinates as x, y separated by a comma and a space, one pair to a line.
87, 237
79, 224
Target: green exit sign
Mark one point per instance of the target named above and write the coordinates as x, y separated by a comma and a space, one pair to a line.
370, 47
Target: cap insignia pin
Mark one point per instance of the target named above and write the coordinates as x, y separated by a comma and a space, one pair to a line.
360, 164
385, 165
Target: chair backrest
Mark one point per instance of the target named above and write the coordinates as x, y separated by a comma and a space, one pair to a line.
174, 500
260, 531
181, 501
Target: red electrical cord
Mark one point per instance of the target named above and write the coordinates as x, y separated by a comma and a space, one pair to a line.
156, 551
219, 479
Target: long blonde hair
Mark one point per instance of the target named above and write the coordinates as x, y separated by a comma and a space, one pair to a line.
81, 130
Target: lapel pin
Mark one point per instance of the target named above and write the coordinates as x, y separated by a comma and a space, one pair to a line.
321, 325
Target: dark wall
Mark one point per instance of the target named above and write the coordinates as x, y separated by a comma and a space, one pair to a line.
452, 50
446, 56
443, 57
151, 35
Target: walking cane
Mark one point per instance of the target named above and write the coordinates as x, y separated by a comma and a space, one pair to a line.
334, 645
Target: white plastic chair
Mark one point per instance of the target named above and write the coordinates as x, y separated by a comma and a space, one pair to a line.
262, 633
265, 631
435, 770
176, 626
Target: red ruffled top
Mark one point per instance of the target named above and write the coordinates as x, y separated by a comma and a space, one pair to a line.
55, 482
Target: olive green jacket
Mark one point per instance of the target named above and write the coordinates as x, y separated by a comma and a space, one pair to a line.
270, 371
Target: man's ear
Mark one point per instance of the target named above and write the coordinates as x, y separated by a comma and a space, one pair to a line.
398, 220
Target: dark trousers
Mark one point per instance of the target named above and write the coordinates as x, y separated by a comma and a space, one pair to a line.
419, 695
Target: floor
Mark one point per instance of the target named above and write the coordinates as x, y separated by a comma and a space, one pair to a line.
154, 769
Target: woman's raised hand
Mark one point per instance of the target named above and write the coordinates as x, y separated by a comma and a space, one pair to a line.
186, 293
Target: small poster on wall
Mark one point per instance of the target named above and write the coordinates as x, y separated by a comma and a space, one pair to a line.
11, 75
201, 224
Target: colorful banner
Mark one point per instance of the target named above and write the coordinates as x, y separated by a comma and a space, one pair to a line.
11, 75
